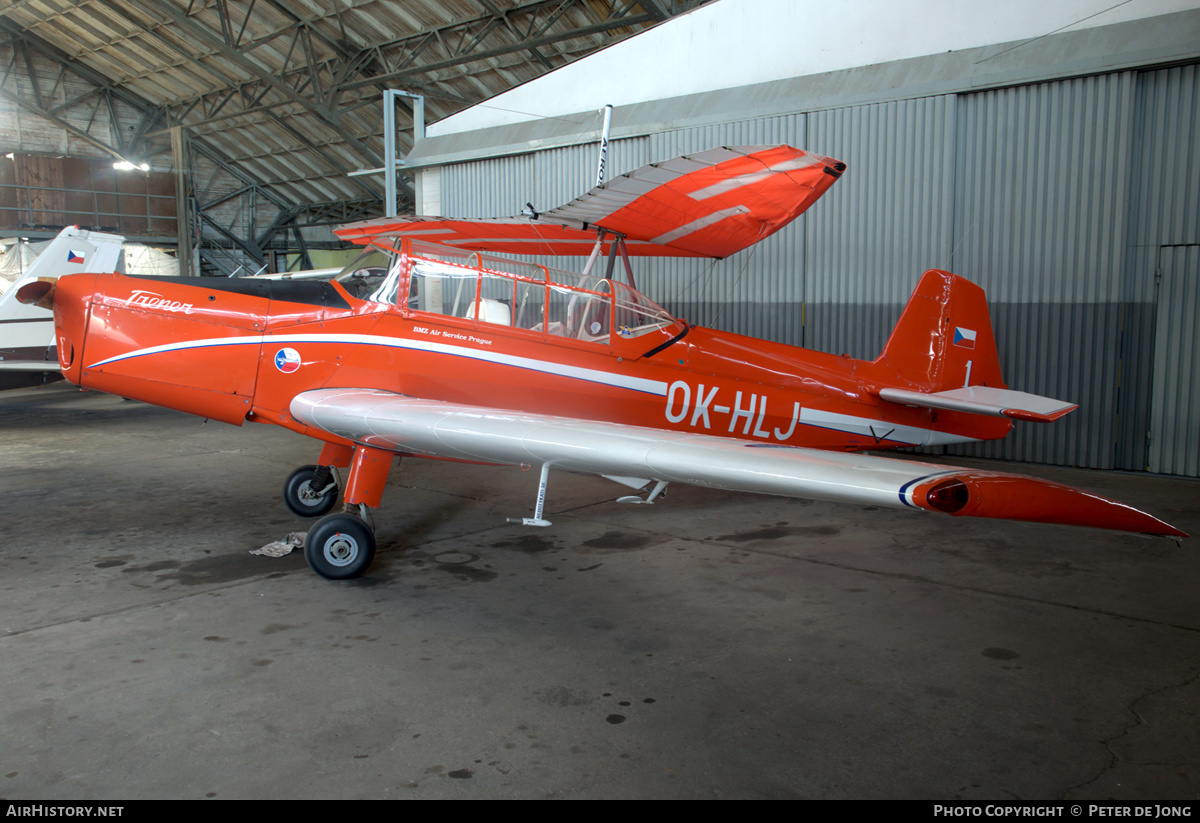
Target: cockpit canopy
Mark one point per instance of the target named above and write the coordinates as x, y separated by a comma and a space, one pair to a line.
426, 277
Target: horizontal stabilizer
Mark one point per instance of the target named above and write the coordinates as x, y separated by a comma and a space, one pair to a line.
986, 400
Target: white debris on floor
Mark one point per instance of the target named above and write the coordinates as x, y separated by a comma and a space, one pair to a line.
279, 548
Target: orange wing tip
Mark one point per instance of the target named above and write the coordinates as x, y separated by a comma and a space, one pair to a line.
1013, 497
1034, 417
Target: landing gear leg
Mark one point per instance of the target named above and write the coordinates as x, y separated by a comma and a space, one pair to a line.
342, 545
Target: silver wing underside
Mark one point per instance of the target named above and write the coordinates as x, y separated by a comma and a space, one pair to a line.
402, 424
426, 427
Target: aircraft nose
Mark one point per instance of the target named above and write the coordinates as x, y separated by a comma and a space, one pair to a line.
71, 299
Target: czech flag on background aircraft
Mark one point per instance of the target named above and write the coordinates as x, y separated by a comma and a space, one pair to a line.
74, 256
964, 337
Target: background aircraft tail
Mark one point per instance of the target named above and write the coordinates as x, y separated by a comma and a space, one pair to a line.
74, 250
944, 338
26, 331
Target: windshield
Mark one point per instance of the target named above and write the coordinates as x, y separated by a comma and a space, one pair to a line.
500, 290
374, 275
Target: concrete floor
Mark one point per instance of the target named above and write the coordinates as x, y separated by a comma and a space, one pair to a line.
713, 645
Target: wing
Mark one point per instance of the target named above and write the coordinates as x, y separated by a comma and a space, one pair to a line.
711, 204
432, 428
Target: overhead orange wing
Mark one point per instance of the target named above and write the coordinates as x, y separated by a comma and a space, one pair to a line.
711, 204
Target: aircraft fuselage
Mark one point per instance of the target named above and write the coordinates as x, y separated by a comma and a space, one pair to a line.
238, 350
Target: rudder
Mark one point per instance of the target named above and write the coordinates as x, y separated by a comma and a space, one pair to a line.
944, 337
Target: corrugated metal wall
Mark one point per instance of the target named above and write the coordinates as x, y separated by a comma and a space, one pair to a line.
1164, 269
1041, 205
886, 221
1174, 441
1062, 199
757, 292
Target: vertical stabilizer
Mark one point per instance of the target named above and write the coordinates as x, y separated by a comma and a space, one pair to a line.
27, 331
72, 252
944, 338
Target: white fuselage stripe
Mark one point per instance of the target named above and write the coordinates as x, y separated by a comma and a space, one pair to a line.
879, 429
639, 384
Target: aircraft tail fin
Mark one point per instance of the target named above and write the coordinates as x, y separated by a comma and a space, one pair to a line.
74, 250
944, 338
943, 348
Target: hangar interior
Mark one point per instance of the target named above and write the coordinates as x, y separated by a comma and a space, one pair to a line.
711, 645
1067, 189
250, 118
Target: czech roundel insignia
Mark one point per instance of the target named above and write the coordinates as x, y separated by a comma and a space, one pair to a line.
287, 360
74, 256
964, 337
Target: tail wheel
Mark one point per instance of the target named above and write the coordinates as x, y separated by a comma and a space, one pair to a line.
310, 491
339, 546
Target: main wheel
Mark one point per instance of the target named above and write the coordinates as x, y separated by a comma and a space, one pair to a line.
305, 500
339, 546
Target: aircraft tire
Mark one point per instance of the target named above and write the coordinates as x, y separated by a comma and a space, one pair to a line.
297, 494
339, 546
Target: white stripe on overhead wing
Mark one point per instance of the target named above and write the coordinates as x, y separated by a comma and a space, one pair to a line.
750, 178
585, 241
655, 387
699, 223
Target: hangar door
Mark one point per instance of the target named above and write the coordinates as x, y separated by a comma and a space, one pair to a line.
1160, 371
1174, 437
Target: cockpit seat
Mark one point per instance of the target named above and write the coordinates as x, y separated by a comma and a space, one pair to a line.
492, 311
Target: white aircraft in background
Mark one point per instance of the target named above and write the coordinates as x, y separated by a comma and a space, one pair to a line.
307, 274
27, 352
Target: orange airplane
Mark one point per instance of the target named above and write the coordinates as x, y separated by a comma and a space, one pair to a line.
433, 345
